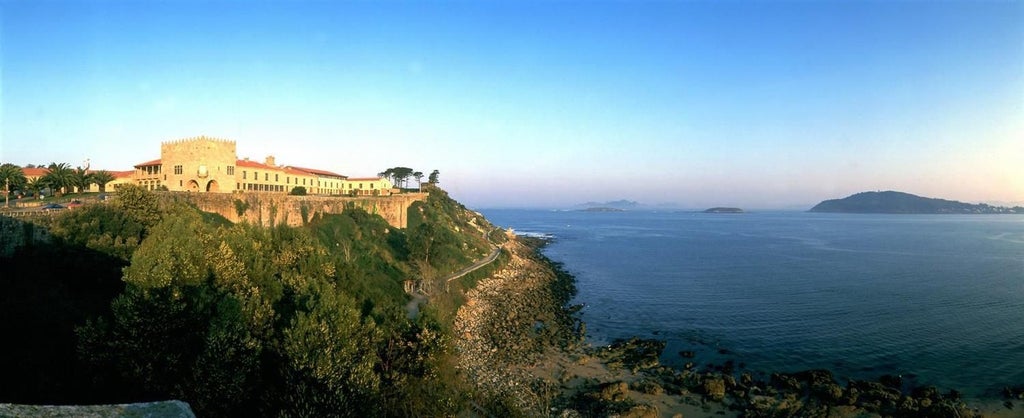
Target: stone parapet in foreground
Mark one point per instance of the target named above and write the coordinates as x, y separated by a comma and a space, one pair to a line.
162, 409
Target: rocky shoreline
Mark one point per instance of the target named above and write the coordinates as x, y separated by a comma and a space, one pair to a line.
524, 352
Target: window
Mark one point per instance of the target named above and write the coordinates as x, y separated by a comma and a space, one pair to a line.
266, 176
231, 170
180, 183
177, 169
275, 177
288, 180
245, 174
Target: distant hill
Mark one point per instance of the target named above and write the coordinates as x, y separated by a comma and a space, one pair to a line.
617, 204
601, 209
899, 202
723, 210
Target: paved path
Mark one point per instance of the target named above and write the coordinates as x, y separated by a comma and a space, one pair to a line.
476, 266
413, 307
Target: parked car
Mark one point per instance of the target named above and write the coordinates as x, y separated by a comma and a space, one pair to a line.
52, 207
74, 204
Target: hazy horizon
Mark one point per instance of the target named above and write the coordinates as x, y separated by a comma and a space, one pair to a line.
767, 105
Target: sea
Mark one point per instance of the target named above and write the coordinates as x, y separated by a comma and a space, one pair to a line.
935, 299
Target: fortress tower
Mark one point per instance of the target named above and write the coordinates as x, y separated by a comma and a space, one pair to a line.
199, 164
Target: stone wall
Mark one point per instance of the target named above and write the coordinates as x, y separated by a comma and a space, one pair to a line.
270, 209
20, 231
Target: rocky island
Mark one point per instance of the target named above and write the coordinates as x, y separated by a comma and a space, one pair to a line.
905, 203
724, 210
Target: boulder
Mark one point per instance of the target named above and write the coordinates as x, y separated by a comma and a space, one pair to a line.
614, 391
640, 411
714, 388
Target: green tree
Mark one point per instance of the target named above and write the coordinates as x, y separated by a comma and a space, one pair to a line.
81, 179
398, 176
104, 228
59, 178
331, 358
173, 254
298, 191
101, 178
35, 185
140, 204
12, 178
419, 178
433, 179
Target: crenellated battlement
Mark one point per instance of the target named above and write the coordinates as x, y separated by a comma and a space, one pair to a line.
198, 139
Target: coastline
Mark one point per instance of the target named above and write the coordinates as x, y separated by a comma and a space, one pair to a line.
524, 351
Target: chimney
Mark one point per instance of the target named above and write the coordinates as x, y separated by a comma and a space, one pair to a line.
270, 161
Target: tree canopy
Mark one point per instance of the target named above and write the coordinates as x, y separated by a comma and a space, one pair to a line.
236, 319
59, 178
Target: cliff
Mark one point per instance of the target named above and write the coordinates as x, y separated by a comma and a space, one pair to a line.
905, 203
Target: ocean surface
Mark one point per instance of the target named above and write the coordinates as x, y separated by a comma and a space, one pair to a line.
938, 299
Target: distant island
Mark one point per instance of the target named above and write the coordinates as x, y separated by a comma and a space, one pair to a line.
601, 209
724, 210
906, 203
614, 204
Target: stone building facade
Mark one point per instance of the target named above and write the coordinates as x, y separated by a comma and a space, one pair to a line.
368, 186
198, 165
211, 165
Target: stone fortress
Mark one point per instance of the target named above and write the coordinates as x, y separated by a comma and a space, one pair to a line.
208, 172
211, 165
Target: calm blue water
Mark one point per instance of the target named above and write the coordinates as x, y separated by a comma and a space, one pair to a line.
939, 297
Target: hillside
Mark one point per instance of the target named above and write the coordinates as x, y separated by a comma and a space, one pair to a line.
905, 203
148, 298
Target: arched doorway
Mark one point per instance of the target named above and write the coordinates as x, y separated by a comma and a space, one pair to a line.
193, 186
212, 186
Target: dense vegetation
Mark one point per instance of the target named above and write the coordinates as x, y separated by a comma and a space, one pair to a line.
144, 299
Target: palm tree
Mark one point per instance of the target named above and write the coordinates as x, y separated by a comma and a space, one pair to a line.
60, 177
12, 178
101, 178
34, 185
81, 179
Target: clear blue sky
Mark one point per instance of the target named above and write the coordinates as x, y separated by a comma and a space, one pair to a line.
529, 103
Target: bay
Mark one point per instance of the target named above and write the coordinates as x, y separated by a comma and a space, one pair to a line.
938, 299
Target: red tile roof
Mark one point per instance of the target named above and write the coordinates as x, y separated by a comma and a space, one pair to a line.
154, 162
319, 172
364, 178
254, 164
122, 174
35, 172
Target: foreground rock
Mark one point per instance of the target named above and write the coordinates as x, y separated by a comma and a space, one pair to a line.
165, 409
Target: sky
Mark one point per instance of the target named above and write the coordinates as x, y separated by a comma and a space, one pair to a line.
763, 105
